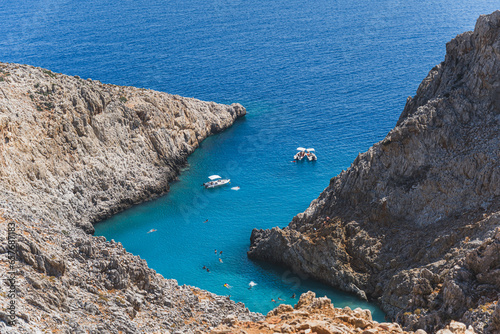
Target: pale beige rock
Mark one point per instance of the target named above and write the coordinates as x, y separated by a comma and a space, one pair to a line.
313, 315
456, 328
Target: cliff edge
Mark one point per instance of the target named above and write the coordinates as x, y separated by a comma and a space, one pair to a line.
414, 222
72, 152
94, 149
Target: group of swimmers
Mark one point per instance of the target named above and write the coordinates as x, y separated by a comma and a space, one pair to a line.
220, 260
252, 284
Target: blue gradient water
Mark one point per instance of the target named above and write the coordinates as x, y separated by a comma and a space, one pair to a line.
333, 75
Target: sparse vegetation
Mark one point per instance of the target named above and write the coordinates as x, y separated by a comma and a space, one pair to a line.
49, 73
103, 297
120, 301
123, 99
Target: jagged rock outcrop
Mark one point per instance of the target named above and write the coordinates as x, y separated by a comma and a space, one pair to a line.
318, 315
414, 222
72, 152
311, 315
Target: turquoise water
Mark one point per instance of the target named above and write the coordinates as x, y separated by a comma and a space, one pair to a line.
333, 75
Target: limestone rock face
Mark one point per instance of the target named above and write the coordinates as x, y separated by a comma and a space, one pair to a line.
72, 152
413, 221
91, 148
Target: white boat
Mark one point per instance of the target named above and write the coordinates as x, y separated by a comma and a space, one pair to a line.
300, 154
215, 181
310, 155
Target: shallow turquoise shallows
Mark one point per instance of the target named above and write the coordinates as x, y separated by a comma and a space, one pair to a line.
328, 74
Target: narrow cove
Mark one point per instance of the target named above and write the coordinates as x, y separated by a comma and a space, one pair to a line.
272, 190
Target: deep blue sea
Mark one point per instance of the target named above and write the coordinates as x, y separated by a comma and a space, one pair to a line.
329, 74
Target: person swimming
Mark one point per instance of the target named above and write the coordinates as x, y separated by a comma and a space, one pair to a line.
293, 296
220, 260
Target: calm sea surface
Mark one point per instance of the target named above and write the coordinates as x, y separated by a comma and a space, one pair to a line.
333, 75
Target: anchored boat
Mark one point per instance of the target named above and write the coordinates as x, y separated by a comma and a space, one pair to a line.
215, 181
310, 154
300, 154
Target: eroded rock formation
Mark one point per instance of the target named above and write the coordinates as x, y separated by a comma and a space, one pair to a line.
414, 222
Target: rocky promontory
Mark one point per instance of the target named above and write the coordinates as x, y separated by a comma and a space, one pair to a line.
414, 222
91, 148
73, 152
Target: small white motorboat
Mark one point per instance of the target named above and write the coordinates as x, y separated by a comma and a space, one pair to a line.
300, 154
310, 155
215, 181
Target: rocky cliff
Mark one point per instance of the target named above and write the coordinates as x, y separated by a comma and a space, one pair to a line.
414, 221
91, 148
72, 152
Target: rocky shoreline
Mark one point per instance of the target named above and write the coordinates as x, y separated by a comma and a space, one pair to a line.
73, 152
415, 221
92, 148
